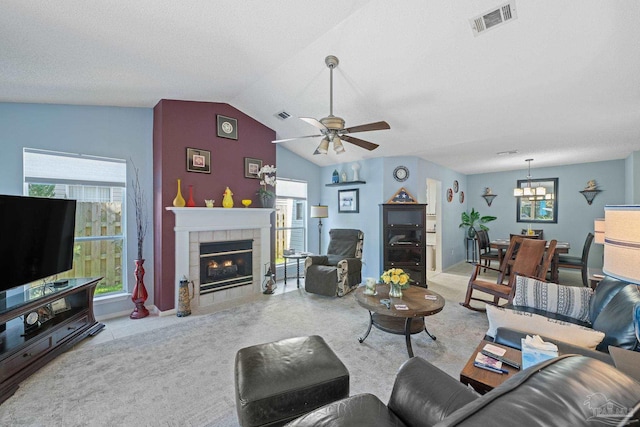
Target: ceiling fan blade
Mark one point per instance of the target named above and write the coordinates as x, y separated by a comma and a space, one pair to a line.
314, 122
359, 142
297, 137
368, 127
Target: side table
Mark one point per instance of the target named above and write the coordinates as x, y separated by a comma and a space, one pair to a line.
484, 381
474, 256
297, 256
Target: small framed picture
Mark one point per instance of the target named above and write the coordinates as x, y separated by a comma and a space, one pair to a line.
252, 167
198, 160
348, 201
227, 127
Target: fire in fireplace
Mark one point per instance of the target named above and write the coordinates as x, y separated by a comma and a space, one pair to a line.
225, 265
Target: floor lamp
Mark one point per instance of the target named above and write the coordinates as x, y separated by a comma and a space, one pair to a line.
320, 211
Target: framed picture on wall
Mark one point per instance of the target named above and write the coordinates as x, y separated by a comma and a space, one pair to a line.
252, 167
198, 160
227, 127
348, 201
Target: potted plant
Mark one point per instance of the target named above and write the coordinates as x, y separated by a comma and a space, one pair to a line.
473, 220
267, 175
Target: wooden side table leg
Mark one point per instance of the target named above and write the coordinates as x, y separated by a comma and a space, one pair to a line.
361, 339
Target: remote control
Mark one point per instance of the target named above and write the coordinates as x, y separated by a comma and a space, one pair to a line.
502, 359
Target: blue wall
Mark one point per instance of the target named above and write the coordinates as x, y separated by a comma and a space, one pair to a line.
127, 133
575, 216
124, 133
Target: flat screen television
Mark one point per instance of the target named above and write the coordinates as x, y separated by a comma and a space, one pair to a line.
36, 238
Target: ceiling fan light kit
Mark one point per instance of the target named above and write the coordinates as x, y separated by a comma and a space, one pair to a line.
332, 128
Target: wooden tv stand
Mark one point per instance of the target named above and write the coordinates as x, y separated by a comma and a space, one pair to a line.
67, 317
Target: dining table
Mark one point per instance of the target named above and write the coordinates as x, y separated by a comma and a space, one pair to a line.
561, 248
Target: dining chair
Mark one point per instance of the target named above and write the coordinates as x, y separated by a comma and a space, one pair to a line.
578, 263
485, 253
528, 262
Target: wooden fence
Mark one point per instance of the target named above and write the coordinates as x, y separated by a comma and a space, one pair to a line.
93, 258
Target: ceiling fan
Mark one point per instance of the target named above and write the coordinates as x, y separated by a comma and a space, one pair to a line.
332, 128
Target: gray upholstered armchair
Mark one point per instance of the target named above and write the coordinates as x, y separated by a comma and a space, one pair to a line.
340, 271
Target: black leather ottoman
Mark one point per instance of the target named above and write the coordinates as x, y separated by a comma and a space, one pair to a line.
279, 381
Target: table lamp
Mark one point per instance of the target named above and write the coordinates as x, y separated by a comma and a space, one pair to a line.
319, 211
622, 242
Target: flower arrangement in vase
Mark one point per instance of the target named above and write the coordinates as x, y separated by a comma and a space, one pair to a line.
267, 175
397, 280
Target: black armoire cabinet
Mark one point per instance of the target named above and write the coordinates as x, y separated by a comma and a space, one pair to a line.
404, 240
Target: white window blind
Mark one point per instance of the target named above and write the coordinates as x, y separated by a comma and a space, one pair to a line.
65, 168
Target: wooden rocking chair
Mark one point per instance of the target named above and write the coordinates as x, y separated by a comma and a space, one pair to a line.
529, 261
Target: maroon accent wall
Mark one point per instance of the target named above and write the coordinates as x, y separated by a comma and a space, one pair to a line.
178, 125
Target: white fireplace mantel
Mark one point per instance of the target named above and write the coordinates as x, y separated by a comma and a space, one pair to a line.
194, 220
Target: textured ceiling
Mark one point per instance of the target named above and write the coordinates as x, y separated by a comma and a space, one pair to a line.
560, 84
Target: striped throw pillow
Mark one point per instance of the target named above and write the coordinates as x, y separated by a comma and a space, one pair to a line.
570, 301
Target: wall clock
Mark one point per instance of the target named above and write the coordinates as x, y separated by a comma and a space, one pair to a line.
401, 173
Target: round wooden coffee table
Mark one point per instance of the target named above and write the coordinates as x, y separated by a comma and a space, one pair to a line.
396, 321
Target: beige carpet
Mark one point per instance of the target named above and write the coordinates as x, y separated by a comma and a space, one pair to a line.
182, 375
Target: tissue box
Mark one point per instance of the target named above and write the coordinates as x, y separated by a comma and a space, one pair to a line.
532, 355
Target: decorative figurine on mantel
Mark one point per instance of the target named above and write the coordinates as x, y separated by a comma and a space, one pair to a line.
487, 191
335, 177
227, 200
355, 167
344, 177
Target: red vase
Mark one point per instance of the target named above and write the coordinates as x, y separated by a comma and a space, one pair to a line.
139, 295
191, 203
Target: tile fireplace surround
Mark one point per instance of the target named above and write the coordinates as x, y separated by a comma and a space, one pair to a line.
201, 225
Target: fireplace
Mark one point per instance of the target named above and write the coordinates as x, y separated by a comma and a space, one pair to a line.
219, 225
225, 265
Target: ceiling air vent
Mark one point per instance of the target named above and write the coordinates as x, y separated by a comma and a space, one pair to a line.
493, 18
283, 115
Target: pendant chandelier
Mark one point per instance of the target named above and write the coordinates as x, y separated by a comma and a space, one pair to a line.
529, 191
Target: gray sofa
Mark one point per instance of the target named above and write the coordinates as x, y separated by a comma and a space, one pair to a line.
566, 391
611, 310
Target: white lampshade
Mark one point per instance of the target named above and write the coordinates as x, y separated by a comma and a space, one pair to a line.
323, 148
320, 211
337, 145
598, 228
518, 192
622, 242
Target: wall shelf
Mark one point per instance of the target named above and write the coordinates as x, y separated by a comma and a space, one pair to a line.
339, 184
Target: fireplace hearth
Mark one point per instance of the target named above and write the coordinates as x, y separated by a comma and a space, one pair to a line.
225, 265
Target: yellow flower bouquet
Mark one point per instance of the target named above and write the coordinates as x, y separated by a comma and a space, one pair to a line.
396, 276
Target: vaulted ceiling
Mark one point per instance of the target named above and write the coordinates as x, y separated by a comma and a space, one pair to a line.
560, 83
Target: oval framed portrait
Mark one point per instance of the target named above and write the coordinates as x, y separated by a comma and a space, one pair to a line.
462, 197
455, 186
449, 195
